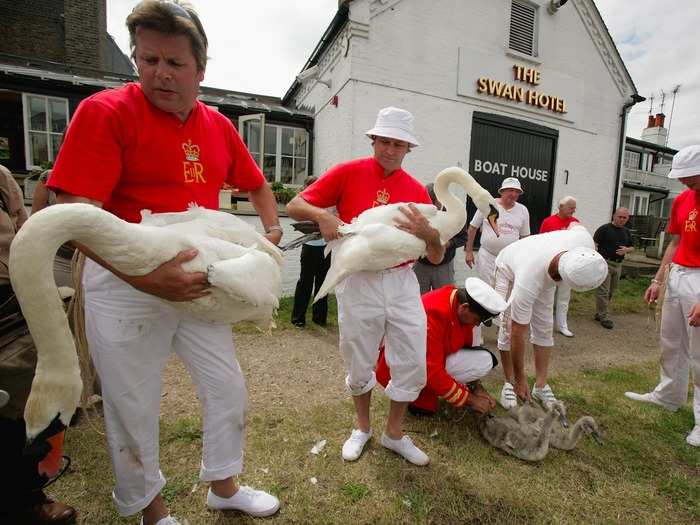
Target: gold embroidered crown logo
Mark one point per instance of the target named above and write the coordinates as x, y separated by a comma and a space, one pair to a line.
383, 196
692, 215
191, 151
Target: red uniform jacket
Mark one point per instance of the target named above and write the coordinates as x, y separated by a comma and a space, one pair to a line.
446, 335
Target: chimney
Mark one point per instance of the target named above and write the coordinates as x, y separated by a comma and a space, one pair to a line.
85, 26
650, 121
659, 120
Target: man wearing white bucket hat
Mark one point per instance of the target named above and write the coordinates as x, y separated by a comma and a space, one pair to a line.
385, 305
680, 313
455, 364
513, 224
527, 273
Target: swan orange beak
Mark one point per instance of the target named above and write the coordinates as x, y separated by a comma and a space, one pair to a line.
46, 450
51, 464
492, 219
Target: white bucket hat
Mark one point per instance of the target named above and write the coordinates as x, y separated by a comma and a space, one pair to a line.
582, 269
510, 183
686, 163
394, 123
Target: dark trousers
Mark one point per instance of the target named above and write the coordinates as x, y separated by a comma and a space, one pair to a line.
314, 266
21, 483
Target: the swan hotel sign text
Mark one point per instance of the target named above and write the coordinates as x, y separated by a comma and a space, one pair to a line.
497, 88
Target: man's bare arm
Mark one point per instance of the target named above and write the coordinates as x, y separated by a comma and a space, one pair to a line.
300, 210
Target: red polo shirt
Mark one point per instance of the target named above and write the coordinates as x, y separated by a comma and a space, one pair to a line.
685, 222
446, 335
355, 186
554, 223
123, 151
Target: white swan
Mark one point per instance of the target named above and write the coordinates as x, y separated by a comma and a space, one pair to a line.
245, 280
372, 241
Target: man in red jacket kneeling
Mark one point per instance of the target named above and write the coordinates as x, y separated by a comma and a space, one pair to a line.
454, 366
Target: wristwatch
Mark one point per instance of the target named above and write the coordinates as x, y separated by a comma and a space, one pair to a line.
274, 227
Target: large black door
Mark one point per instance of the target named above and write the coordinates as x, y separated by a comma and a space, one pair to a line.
504, 147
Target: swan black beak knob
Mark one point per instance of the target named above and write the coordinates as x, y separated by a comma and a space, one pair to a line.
492, 219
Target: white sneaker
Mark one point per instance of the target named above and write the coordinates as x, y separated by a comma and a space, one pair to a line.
355, 444
648, 398
405, 447
508, 398
564, 330
255, 503
544, 395
693, 438
168, 520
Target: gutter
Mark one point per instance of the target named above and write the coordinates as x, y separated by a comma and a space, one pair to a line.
636, 98
341, 16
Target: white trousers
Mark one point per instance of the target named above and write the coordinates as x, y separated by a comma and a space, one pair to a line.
561, 309
466, 366
541, 323
486, 266
131, 336
680, 342
376, 305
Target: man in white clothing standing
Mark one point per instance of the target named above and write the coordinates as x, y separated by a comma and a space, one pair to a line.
527, 272
513, 224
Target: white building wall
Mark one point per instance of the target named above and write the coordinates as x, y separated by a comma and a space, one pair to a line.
427, 56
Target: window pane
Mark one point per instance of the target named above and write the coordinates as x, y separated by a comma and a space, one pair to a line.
37, 114
300, 136
287, 141
287, 174
269, 167
39, 148
58, 115
299, 170
251, 136
55, 145
270, 139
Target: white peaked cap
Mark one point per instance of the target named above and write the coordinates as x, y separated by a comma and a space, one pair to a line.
394, 123
686, 163
489, 299
583, 269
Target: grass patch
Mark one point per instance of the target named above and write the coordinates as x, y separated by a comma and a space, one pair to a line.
628, 299
283, 318
643, 473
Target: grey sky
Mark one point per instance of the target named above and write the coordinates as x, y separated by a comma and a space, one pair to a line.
260, 46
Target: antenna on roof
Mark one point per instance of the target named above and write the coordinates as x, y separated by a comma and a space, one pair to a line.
651, 104
673, 104
663, 98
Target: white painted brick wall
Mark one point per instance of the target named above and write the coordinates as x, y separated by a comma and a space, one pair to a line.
411, 60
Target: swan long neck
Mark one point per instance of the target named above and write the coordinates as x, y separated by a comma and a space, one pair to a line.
572, 437
31, 271
456, 210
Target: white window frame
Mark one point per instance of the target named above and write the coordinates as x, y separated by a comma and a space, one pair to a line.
28, 157
245, 119
535, 29
628, 157
640, 203
278, 153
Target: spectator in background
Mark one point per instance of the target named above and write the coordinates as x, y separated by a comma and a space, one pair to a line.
42, 198
22, 499
561, 221
680, 313
513, 224
314, 266
613, 241
433, 276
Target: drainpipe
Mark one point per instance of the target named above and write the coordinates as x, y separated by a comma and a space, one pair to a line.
621, 150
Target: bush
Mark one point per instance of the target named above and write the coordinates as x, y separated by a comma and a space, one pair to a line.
283, 194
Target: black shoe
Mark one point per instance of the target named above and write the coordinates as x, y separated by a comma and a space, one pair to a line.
320, 323
607, 323
299, 324
596, 317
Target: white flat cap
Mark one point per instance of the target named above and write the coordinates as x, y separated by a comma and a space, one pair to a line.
686, 163
489, 299
583, 269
